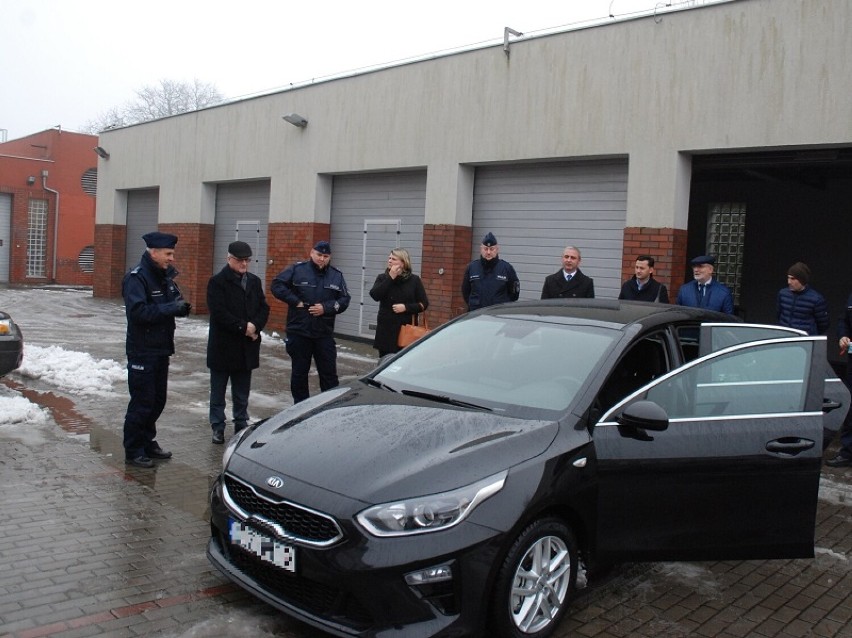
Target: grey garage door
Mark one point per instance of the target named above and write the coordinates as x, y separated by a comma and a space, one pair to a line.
371, 215
535, 210
242, 213
142, 217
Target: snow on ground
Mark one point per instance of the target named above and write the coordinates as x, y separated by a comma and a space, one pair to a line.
69, 371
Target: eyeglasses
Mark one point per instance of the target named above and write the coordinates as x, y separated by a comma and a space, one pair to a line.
241, 260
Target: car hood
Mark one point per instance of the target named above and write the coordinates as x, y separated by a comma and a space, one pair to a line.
376, 446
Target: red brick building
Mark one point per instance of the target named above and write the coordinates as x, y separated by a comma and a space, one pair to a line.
48, 183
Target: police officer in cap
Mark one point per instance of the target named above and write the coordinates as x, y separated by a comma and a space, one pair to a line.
315, 293
489, 280
152, 300
238, 314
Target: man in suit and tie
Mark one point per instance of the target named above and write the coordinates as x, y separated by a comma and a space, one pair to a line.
704, 291
569, 281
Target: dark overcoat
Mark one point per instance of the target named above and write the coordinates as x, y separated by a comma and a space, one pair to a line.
555, 286
231, 309
388, 291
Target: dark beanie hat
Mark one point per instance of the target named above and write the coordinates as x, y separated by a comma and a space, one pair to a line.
801, 272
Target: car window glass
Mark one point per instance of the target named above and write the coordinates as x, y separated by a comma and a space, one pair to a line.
688, 337
517, 363
645, 361
764, 379
722, 336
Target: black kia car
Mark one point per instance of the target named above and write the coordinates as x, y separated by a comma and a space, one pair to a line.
11, 345
458, 488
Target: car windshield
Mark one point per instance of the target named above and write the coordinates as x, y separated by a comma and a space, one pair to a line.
503, 363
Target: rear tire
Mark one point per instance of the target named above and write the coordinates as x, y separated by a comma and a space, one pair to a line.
536, 581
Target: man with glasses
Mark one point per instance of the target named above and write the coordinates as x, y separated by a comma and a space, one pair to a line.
238, 314
315, 293
489, 280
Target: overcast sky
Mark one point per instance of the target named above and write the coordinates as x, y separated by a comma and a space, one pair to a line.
65, 62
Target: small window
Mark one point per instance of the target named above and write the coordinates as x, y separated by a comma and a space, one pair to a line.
89, 182
726, 240
86, 260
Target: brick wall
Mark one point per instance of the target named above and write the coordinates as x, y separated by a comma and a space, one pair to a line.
446, 253
193, 260
668, 248
110, 254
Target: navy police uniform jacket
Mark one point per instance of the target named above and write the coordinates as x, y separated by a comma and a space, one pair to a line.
806, 310
305, 282
231, 310
557, 287
489, 282
150, 302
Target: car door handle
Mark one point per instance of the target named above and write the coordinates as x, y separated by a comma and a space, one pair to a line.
789, 446
828, 405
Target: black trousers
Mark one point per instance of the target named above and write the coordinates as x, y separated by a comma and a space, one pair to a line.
323, 351
148, 382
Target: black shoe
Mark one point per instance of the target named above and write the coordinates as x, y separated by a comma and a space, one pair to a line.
140, 461
218, 437
156, 452
839, 461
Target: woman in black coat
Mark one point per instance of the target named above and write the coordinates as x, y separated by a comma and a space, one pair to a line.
401, 296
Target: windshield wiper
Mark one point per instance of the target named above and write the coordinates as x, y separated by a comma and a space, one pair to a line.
379, 384
444, 399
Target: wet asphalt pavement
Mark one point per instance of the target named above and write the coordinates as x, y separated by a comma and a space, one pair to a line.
92, 547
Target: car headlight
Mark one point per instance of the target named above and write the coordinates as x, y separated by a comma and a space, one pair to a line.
429, 513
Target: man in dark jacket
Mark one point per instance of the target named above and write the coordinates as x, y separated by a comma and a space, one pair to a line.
316, 293
705, 291
642, 286
800, 306
844, 329
238, 314
489, 280
569, 282
152, 300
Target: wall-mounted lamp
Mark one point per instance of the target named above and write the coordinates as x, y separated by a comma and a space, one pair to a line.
296, 120
31, 180
101, 151
507, 31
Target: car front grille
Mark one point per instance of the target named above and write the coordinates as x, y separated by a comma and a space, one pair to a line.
298, 523
314, 598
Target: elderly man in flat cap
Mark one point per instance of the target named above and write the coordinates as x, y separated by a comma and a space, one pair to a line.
238, 314
152, 300
489, 280
315, 293
704, 291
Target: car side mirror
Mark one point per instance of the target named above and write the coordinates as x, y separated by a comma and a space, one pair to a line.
641, 416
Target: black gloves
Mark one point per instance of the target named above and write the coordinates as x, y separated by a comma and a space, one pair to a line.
183, 308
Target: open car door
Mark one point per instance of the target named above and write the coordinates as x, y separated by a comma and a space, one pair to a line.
836, 400
718, 459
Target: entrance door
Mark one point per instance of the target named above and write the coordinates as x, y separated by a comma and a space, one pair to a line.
5, 236
380, 237
736, 472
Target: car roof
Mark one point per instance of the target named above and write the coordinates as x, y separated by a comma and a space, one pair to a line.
611, 312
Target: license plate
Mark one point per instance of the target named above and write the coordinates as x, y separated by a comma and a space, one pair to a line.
266, 548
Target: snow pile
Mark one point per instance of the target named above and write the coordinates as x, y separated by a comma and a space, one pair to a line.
74, 372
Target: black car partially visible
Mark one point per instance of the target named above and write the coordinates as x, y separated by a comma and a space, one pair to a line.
11, 344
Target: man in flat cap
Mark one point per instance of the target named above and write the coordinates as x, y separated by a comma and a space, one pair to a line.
315, 293
489, 280
238, 314
568, 282
798, 305
152, 300
704, 291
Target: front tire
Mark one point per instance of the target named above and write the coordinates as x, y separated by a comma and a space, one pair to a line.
536, 581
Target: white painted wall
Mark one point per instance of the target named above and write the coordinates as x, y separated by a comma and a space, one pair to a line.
748, 74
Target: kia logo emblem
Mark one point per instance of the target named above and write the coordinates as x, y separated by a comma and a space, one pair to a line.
275, 482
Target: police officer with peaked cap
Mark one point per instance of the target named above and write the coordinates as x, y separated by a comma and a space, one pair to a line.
152, 300
489, 280
315, 293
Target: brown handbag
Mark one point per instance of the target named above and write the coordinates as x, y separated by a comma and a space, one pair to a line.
411, 332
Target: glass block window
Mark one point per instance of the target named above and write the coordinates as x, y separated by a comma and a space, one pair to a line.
726, 240
37, 238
